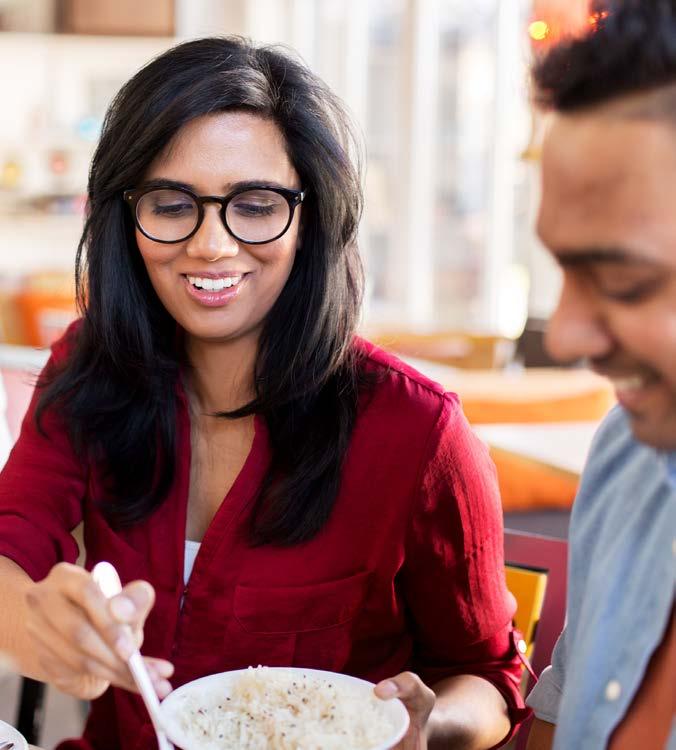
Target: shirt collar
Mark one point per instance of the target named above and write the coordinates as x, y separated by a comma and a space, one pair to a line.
670, 466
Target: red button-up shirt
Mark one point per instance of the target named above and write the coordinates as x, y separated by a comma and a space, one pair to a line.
406, 574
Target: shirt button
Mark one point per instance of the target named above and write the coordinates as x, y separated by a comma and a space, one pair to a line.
613, 690
521, 645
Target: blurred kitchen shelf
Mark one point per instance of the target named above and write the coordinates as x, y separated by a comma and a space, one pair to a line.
38, 242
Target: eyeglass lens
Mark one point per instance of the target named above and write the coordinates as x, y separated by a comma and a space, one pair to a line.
253, 216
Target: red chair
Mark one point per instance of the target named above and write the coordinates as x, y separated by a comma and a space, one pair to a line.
550, 556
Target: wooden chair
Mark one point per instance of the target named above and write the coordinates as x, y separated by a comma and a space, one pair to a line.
17, 372
464, 349
528, 587
537, 566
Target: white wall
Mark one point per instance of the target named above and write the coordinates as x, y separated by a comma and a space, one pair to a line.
49, 84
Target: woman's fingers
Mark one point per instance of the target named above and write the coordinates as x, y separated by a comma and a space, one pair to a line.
93, 658
78, 646
131, 607
72, 602
82, 686
159, 667
419, 702
412, 691
133, 604
64, 671
78, 587
76, 584
83, 639
160, 671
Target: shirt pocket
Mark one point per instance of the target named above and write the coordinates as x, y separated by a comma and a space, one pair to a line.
315, 620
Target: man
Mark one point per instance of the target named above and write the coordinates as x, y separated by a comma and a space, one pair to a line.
608, 216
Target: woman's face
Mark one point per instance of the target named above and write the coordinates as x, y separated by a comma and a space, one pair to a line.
216, 287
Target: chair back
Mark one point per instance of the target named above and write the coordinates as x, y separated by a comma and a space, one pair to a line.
528, 587
457, 348
536, 567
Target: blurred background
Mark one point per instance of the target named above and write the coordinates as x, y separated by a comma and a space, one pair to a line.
439, 89
457, 280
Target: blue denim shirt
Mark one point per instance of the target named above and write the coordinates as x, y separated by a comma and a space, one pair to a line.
621, 574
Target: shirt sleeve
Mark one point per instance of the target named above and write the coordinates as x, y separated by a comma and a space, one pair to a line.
453, 575
41, 490
545, 697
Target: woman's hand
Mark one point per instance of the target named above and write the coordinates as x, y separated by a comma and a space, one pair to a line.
82, 639
419, 701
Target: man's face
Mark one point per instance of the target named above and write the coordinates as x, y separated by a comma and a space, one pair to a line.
608, 216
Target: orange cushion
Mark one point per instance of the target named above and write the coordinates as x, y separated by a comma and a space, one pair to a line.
534, 395
526, 484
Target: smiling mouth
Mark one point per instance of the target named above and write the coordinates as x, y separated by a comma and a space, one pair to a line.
209, 284
635, 391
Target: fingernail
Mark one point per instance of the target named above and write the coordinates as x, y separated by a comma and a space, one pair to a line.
160, 668
122, 608
163, 688
388, 689
141, 595
124, 647
165, 669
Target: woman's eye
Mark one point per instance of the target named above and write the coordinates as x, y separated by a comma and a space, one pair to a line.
174, 209
254, 210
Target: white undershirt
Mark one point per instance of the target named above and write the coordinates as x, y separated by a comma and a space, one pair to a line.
191, 550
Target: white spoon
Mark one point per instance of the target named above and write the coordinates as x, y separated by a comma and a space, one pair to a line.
109, 582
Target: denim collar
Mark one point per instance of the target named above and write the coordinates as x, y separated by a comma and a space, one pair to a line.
670, 466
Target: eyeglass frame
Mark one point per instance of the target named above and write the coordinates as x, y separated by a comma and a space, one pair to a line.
294, 198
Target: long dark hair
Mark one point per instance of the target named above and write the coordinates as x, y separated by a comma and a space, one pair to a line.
117, 390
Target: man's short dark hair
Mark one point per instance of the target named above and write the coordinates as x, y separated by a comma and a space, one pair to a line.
629, 50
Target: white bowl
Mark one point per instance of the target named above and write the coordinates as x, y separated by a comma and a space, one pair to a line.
222, 683
9, 734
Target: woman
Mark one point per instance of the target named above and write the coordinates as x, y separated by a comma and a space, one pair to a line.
214, 407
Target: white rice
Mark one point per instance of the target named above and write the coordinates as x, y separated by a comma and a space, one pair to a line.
277, 710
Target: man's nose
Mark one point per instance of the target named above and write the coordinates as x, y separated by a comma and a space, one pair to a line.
577, 329
212, 240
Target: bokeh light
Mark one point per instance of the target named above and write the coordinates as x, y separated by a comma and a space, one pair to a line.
538, 30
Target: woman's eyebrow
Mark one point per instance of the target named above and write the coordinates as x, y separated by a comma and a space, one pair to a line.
242, 184
255, 183
163, 182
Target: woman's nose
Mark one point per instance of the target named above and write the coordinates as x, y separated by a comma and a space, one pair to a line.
212, 240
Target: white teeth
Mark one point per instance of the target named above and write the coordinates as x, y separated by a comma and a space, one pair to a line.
214, 285
631, 383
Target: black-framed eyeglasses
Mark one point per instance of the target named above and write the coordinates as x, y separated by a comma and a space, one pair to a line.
254, 214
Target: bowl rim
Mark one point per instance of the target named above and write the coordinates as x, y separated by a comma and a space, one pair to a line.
15, 735
176, 735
